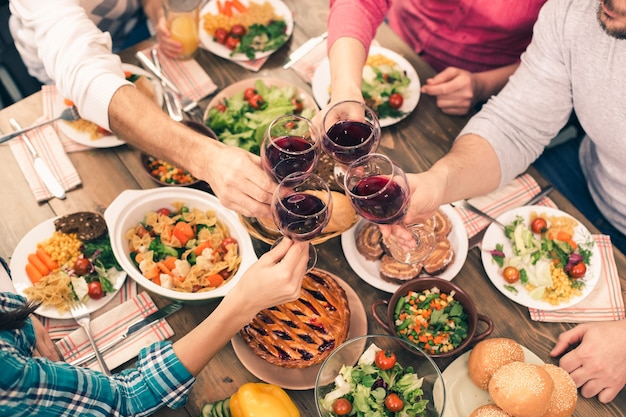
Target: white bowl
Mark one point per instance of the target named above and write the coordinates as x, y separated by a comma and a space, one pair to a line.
130, 207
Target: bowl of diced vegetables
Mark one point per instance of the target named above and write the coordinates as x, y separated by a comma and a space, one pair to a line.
433, 314
379, 375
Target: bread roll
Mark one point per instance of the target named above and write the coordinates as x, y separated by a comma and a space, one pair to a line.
522, 389
565, 394
489, 355
489, 410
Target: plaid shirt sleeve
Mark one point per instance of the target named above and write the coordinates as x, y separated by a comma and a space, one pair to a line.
37, 386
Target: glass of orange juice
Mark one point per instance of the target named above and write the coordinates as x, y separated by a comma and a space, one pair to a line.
183, 19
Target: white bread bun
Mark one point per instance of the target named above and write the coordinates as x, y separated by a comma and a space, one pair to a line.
522, 389
489, 410
489, 355
565, 394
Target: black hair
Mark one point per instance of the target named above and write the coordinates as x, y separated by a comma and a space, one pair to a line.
16, 319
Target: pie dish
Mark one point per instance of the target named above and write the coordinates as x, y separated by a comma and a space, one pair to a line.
302, 333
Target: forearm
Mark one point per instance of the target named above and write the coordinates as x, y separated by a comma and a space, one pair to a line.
153, 9
347, 57
489, 83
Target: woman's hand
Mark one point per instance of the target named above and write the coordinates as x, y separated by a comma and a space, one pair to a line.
167, 45
44, 346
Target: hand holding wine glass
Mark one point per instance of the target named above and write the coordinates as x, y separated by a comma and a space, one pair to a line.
301, 208
379, 192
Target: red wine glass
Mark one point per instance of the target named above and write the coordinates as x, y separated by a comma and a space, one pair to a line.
301, 208
379, 191
350, 130
290, 144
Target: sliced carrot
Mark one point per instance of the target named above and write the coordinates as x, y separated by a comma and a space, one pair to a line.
68, 102
183, 232
201, 247
227, 9
36, 262
170, 262
215, 280
138, 257
157, 280
128, 74
239, 6
164, 269
152, 273
50, 263
33, 273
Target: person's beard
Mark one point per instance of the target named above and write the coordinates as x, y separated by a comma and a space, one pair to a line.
611, 27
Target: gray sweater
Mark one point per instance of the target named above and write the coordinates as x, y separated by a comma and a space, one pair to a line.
570, 63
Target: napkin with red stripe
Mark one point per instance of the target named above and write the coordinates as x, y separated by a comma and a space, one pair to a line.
604, 303
48, 145
305, 67
110, 326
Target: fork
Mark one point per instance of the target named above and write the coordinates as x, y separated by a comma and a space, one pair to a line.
81, 315
69, 114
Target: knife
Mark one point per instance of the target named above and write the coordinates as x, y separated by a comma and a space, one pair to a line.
304, 49
147, 62
133, 328
42, 170
478, 237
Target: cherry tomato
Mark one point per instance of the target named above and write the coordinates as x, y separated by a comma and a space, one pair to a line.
578, 271
94, 289
232, 42
393, 403
227, 241
238, 30
221, 107
539, 225
164, 212
297, 104
510, 274
256, 101
248, 93
220, 35
82, 266
385, 359
342, 406
396, 100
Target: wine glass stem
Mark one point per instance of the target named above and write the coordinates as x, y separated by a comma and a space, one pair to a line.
411, 244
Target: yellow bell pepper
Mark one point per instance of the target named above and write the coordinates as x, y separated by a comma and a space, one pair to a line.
258, 399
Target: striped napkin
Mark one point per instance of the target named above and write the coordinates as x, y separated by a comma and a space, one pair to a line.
49, 146
604, 303
305, 67
111, 325
60, 328
192, 81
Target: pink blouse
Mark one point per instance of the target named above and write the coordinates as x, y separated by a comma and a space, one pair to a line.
475, 35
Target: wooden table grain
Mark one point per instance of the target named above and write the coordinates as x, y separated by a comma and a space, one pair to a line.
415, 143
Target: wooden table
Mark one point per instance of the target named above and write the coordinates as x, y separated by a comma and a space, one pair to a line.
415, 143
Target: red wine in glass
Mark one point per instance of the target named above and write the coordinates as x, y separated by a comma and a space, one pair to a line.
348, 140
289, 154
384, 200
302, 216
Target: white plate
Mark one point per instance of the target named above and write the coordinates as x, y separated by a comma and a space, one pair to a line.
299, 379
19, 259
320, 84
207, 42
495, 235
463, 396
368, 271
108, 141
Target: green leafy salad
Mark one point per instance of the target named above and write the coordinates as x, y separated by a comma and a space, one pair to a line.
377, 386
385, 86
261, 38
242, 119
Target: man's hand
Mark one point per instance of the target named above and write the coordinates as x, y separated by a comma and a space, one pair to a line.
454, 89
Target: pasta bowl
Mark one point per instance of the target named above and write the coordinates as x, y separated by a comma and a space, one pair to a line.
130, 208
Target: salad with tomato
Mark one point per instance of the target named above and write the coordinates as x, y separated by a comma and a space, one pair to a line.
384, 86
377, 386
546, 260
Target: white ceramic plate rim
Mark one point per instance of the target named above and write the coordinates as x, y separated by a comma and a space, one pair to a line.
299, 379
108, 141
19, 259
463, 396
207, 42
118, 218
320, 84
496, 235
368, 271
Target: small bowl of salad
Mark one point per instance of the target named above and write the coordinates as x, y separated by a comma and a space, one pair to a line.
433, 314
379, 375
167, 174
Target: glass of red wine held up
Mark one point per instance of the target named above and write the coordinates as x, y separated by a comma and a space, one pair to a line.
350, 130
290, 144
301, 208
379, 191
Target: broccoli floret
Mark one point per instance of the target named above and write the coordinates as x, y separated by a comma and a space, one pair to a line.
161, 251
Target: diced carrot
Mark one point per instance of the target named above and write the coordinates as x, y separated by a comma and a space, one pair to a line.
201, 247
152, 274
163, 268
50, 263
33, 274
183, 232
215, 280
36, 262
239, 6
138, 257
68, 102
170, 262
157, 279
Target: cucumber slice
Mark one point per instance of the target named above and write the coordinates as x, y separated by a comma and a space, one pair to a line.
206, 410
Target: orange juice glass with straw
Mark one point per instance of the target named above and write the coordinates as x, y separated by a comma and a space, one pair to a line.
183, 19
